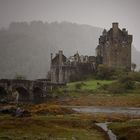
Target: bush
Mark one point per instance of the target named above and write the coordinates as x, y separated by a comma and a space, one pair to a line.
104, 86
119, 73
104, 72
123, 84
79, 85
135, 76
116, 88
109, 73
20, 77
127, 82
50, 109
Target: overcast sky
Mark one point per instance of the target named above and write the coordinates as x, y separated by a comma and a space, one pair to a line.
100, 13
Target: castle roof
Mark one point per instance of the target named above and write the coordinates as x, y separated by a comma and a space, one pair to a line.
55, 60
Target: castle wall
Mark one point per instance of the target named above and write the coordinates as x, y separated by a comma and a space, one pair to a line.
63, 69
119, 57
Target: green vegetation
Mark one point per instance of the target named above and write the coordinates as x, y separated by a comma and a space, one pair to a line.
20, 77
102, 99
124, 91
59, 122
68, 127
88, 85
133, 66
129, 82
48, 127
80, 88
129, 130
50, 109
104, 72
122, 82
107, 73
125, 83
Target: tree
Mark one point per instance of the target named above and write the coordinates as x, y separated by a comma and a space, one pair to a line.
133, 65
20, 77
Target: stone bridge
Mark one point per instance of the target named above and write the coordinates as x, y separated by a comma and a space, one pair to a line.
26, 90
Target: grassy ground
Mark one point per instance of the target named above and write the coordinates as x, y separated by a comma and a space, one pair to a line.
131, 99
48, 128
90, 94
63, 127
129, 130
61, 124
88, 85
118, 100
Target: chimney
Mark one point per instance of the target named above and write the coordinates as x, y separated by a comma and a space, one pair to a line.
115, 25
115, 28
60, 52
60, 57
125, 31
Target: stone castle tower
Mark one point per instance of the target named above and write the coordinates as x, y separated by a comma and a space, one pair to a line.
114, 49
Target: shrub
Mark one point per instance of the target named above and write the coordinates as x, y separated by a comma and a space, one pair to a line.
50, 109
135, 76
119, 73
116, 88
127, 82
20, 77
104, 86
123, 84
79, 85
104, 72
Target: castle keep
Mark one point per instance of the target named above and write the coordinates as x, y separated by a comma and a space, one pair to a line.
114, 50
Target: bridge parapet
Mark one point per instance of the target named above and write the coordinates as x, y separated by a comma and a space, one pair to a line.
28, 90
21, 83
42, 83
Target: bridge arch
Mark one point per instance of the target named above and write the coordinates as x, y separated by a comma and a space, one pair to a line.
37, 94
21, 94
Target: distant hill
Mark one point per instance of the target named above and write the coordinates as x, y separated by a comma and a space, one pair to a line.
25, 47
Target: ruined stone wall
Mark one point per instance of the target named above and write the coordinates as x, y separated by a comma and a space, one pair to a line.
63, 70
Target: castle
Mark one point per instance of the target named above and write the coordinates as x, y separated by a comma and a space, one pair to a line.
114, 50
